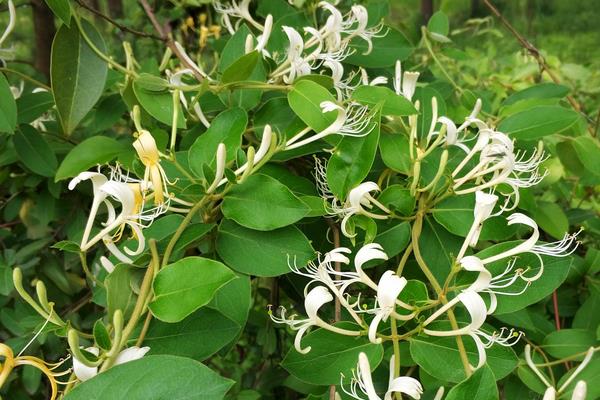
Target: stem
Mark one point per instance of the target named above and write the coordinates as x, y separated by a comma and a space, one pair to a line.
404, 259
100, 54
437, 61
416, 232
186, 221
396, 345
27, 78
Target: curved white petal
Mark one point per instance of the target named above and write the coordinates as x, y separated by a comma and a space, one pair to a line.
527, 245
82, 371
371, 251
131, 353
315, 299
580, 391
389, 287
364, 371
407, 385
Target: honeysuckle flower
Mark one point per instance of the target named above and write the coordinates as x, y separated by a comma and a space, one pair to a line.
266, 141
458, 136
360, 201
378, 80
484, 206
363, 382
98, 180
189, 62
221, 159
333, 26
107, 264
357, 27
389, 288
496, 285
84, 373
263, 38
561, 248
176, 79
129, 196
405, 84
477, 311
580, 390
237, 10
352, 120
147, 151
314, 300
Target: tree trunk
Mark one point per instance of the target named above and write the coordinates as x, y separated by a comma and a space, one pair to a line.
43, 21
426, 10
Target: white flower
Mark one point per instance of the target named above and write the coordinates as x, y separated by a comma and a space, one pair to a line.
107, 264
314, 300
356, 26
83, 372
405, 84
477, 310
580, 390
176, 79
389, 288
236, 10
360, 201
98, 180
263, 39
298, 66
363, 382
12, 20
562, 248
154, 174
332, 31
352, 120
484, 205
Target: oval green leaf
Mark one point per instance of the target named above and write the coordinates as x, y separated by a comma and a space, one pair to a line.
156, 377
537, 122
186, 285
77, 73
34, 151
262, 253
87, 154
263, 203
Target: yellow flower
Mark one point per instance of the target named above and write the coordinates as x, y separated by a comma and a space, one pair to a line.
145, 146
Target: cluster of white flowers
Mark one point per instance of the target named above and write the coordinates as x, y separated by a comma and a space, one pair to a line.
120, 190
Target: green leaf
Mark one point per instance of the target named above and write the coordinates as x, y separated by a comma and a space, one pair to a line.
331, 354
159, 104
34, 151
551, 218
481, 386
305, 99
262, 253
398, 198
31, 106
546, 90
538, 122
438, 23
394, 150
101, 335
227, 128
587, 317
77, 73
395, 238
439, 357
580, 156
386, 50
568, 342
242, 68
392, 103
87, 154
234, 299
198, 336
156, 377
186, 285
263, 203
438, 248
8, 107
556, 270
119, 295
425, 97
352, 159
61, 9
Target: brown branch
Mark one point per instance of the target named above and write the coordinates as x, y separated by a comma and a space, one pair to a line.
115, 23
164, 31
338, 267
532, 50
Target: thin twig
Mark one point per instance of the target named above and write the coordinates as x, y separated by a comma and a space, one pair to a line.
338, 267
533, 51
115, 23
165, 33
